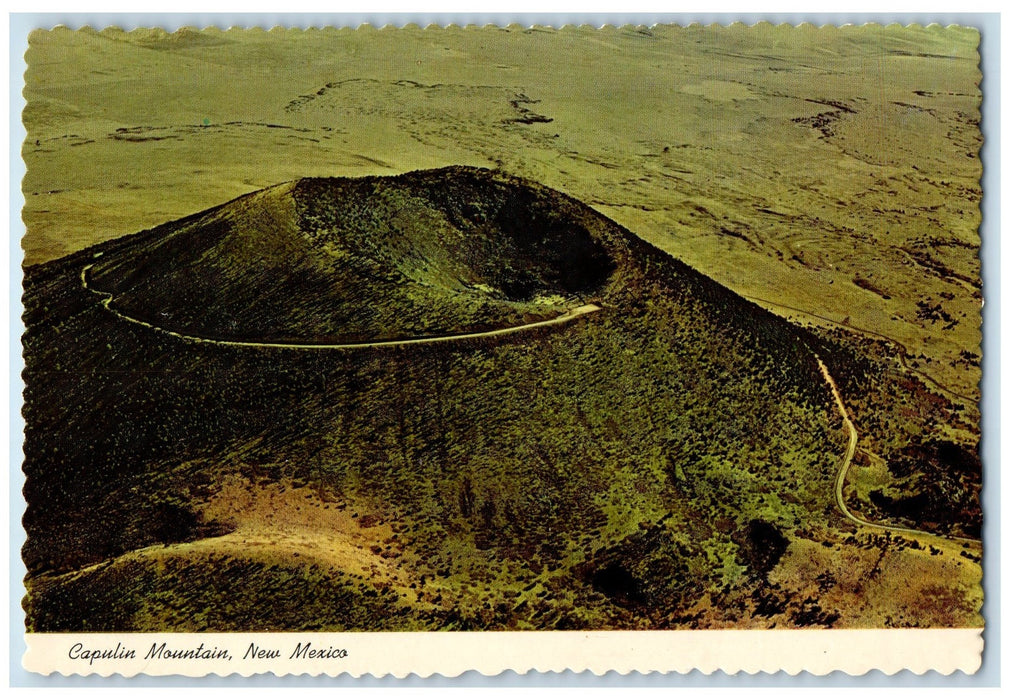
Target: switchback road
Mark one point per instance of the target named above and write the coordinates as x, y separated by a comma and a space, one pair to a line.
843, 470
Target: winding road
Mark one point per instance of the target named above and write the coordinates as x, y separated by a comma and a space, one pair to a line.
902, 350
843, 470
108, 298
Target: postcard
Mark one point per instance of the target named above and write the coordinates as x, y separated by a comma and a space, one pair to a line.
426, 350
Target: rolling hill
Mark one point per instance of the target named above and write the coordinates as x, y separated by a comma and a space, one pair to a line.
222, 433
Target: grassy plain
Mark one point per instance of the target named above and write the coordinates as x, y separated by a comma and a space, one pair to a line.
834, 170
669, 463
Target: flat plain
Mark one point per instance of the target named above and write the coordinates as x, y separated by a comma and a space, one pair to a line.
829, 176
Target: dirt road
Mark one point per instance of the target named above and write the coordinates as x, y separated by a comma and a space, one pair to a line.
843, 470
902, 350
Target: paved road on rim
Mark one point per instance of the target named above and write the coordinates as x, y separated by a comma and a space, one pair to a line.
108, 298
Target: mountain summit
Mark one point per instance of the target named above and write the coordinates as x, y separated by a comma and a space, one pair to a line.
430, 253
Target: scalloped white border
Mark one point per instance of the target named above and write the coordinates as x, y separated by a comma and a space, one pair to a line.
853, 651
452, 653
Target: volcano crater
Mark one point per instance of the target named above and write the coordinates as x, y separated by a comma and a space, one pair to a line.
434, 253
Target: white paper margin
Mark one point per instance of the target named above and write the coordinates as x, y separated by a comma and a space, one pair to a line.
451, 653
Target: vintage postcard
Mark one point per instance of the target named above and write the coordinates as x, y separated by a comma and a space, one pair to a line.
422, 350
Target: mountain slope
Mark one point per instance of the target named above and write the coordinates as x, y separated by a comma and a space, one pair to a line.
657, 463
